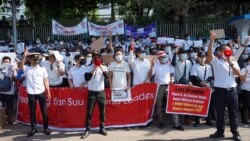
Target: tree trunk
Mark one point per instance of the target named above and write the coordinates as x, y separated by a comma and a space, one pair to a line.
112, 12
182, 25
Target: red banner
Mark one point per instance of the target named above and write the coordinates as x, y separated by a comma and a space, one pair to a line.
188, 100
67, 108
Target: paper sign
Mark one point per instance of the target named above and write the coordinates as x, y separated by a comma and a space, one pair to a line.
4, 48
97, 44
170, 40
20, 47
248, 39
179, 42
220, 33
120, 95
11, 55
198, 43
107, 59
161, 41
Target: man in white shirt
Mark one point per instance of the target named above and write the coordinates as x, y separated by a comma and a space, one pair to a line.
140, 65
95, 76
245, 91
37, 83
163, 74
200, 76
119, 72
76, 74
55, 69
225, 93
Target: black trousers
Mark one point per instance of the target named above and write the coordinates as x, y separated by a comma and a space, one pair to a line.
93, 98
245, 104
222, 98
32, 107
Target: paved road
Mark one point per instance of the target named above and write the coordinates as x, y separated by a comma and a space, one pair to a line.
18, 132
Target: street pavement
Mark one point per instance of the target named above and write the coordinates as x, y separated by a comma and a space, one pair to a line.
18, 132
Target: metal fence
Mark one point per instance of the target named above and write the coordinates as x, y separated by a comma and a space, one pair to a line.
194, 29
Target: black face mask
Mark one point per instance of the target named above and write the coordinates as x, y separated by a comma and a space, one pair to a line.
82, 61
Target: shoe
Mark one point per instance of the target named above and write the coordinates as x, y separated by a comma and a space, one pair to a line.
178, 127
85, 134
47, 132
217, 135
209, 123
245, 121
161, 125
103, 132
197, 124
237, 137
32, 133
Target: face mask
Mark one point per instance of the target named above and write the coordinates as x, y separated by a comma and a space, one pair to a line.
168, 49
88, 61
188, 38
137, 42
38, 41
193, 55
164, 60
61, 43
183, 56
118, 58
107, 42
244, 56
55, 42
143, 55
63, 53
43, 59
147, 51
4, 65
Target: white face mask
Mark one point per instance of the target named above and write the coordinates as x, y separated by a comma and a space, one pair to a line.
143, 55
164, 60
88, 61
118, 58
183, 56
61, 43
193, 55
38, 41
107, 42
63, 53
167, 49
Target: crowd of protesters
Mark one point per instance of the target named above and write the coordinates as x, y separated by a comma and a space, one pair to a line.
37, 64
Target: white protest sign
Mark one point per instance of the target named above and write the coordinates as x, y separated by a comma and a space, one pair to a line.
169, 40
198, 43
100, 30
4, 48
20, 47
12, 55
161, 41
80, 28
120, 95
220, 33
179, 42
